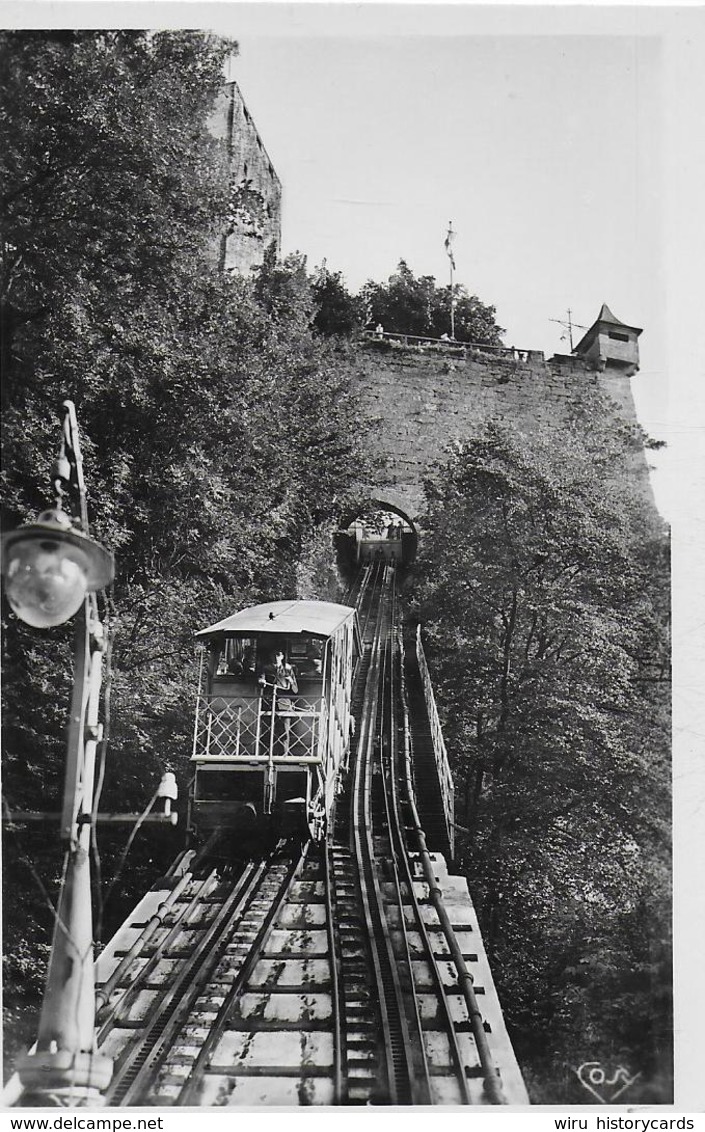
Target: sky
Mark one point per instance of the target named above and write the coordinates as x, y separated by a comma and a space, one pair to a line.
545, 150
551, 182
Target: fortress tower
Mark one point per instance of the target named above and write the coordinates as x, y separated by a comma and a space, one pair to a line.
610, 343
254, 220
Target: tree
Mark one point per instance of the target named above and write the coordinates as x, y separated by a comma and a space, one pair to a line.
337, 311
407, 305
541, 603
220, 434
474, 321
109, 172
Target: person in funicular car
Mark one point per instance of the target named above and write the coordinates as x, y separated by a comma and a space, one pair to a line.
276, 679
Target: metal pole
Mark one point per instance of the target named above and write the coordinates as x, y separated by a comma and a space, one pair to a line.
198, 702
65, 1068
451, 263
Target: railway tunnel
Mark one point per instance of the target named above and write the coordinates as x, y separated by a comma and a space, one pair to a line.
378, 529
347, 973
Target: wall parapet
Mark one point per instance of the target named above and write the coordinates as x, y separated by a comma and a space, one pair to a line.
446, 347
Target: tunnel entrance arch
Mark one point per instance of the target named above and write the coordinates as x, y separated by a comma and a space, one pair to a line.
376, 529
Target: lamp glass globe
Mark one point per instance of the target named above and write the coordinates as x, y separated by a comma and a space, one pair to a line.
45, 582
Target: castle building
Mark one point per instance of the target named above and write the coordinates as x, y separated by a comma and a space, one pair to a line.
423, 397
254, 215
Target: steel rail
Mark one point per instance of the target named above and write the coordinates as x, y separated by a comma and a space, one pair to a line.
396, 1037
357, 587
108, 1012
492, 1083
189, 1088
337, 1002
356, 1013
362, 603
395, 769
104, 990
366, 600
182, 991
187, 861
352, 594
395, 854
363, 850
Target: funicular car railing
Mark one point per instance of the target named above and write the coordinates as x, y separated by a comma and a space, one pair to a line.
256, 728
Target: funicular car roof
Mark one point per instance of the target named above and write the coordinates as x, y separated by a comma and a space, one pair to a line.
280, 618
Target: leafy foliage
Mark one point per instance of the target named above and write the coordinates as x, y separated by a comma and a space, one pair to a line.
407, 305
220, 434
109, 174
337, 311
246, 212
541, 593
402, 305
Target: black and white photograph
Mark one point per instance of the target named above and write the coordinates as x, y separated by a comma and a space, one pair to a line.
352, 488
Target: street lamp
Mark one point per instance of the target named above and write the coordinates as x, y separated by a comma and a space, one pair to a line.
49, 566
52, 569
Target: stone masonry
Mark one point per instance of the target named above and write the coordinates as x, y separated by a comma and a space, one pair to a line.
255, 189
423, 397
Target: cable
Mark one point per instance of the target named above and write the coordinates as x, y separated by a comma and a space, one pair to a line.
128, 846
29, 864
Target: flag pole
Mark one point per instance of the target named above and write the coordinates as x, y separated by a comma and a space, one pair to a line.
449, 250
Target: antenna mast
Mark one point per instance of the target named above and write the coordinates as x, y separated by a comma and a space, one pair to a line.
568, 325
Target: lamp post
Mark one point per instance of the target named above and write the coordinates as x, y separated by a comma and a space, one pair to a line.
52, 570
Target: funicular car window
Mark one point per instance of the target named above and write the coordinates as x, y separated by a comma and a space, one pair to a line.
306, 655
237, 656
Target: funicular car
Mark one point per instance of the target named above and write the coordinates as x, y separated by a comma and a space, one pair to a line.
272, 735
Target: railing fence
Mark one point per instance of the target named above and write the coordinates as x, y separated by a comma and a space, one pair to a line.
445, 778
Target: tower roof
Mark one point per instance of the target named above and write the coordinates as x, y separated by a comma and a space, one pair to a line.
604, 317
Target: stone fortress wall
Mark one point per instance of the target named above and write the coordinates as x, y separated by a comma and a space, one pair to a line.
255, 188
423, 397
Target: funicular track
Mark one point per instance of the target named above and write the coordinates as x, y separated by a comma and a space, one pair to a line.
214, 983
373, 844
175, 980
377, 856
324, 977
